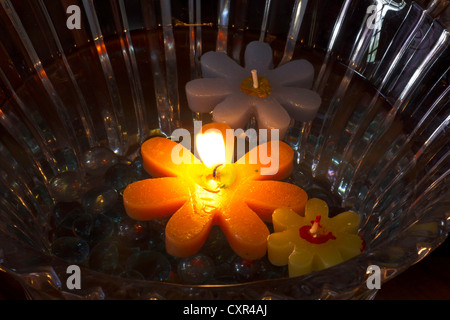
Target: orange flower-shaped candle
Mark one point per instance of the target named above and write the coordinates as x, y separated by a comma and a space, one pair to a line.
315, 241
238, 197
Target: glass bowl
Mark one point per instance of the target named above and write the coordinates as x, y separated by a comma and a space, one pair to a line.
83, 86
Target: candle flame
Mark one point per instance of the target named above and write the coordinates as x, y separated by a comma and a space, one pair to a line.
211, 148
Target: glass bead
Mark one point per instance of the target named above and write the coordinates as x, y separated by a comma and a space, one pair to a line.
132, 233
104, 257
120, 175
138, 166
216, 242
66, 186
93, 228
62, 210
116, 214
197, 269
131, 274
97, 160
65, 227
71, 249
152, 265
156, 234
247, 270
124, 251
102, 228
82, 226
99, 199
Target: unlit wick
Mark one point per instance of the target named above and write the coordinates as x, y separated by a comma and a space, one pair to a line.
255, 79
315, 226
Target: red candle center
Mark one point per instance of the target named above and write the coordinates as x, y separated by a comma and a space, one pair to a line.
315, 233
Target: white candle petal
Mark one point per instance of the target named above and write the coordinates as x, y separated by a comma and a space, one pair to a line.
296, 73
258, 55
271, 115
204, 94
219, 65
302, 104
235, 110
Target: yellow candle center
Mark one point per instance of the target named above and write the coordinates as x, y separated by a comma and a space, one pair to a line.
256, 86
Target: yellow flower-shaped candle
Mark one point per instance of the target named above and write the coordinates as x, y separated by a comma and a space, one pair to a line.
315, 241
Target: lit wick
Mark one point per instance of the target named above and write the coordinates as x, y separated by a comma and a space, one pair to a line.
255, 79
216, 171
221, 177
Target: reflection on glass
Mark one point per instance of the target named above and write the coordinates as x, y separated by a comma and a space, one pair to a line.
375, 21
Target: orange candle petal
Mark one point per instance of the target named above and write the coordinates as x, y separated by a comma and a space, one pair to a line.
264, 197
187, 230
157, 157
155, 198
246, 232
253, 161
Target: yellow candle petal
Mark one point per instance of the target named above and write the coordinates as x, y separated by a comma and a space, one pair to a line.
326, 255
284, 218
350, 245
316, 207
300, 262
280, 247
347, 222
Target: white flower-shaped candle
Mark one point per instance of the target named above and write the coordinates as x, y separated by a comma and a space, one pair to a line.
234, 93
